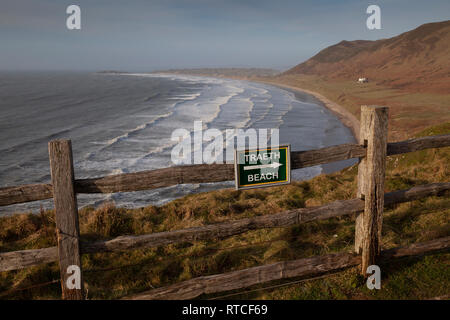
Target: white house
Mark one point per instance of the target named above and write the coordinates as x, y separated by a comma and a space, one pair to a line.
363, 80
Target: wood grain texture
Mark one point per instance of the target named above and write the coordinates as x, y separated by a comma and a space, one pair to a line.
417, 248
302, 159
283, 219
371, 175
227, 229
15, 260
25, 193
26, 258
281, 270
417, 144
248, 277
417, 192
66, 213
153, 179
166, 177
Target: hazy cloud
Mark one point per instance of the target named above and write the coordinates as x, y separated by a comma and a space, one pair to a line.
146, 35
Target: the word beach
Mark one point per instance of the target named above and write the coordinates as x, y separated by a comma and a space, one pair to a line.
262, 167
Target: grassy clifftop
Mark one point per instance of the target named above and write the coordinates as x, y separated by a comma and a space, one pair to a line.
113, 275
417, 60
410, 111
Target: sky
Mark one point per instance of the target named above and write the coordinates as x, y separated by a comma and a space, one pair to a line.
138, 35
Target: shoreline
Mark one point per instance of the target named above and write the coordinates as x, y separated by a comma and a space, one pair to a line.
345, 116
342, 114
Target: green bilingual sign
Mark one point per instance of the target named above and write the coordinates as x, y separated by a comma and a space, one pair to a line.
265, 167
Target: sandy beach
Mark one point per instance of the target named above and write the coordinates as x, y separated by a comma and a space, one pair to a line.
345, 116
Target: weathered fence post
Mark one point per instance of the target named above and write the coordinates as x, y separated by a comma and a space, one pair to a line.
371, 173
66, 212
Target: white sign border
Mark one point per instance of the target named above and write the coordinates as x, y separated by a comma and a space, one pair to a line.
288, 164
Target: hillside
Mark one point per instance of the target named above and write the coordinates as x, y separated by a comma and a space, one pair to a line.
413, 106
409, 73
417, 60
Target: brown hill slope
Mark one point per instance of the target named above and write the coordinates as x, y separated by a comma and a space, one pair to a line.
417, 60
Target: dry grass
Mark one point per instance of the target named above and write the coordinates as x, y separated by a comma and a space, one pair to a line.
112, 275
410, 112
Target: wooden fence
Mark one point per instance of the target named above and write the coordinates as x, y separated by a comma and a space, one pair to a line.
371, 151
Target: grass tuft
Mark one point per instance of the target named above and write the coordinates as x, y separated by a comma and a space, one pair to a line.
113, 275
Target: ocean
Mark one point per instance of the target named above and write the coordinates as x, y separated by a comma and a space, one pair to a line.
123, 123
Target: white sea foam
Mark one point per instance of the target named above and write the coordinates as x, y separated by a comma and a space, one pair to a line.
126, 134
205, 117
185, 97
146, 145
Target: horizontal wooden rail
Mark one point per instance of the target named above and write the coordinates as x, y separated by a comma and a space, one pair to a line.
226, 229
417, 144
26, 258
283, 219
25, 193
276, 271
159, 178
15, 260
303, 159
